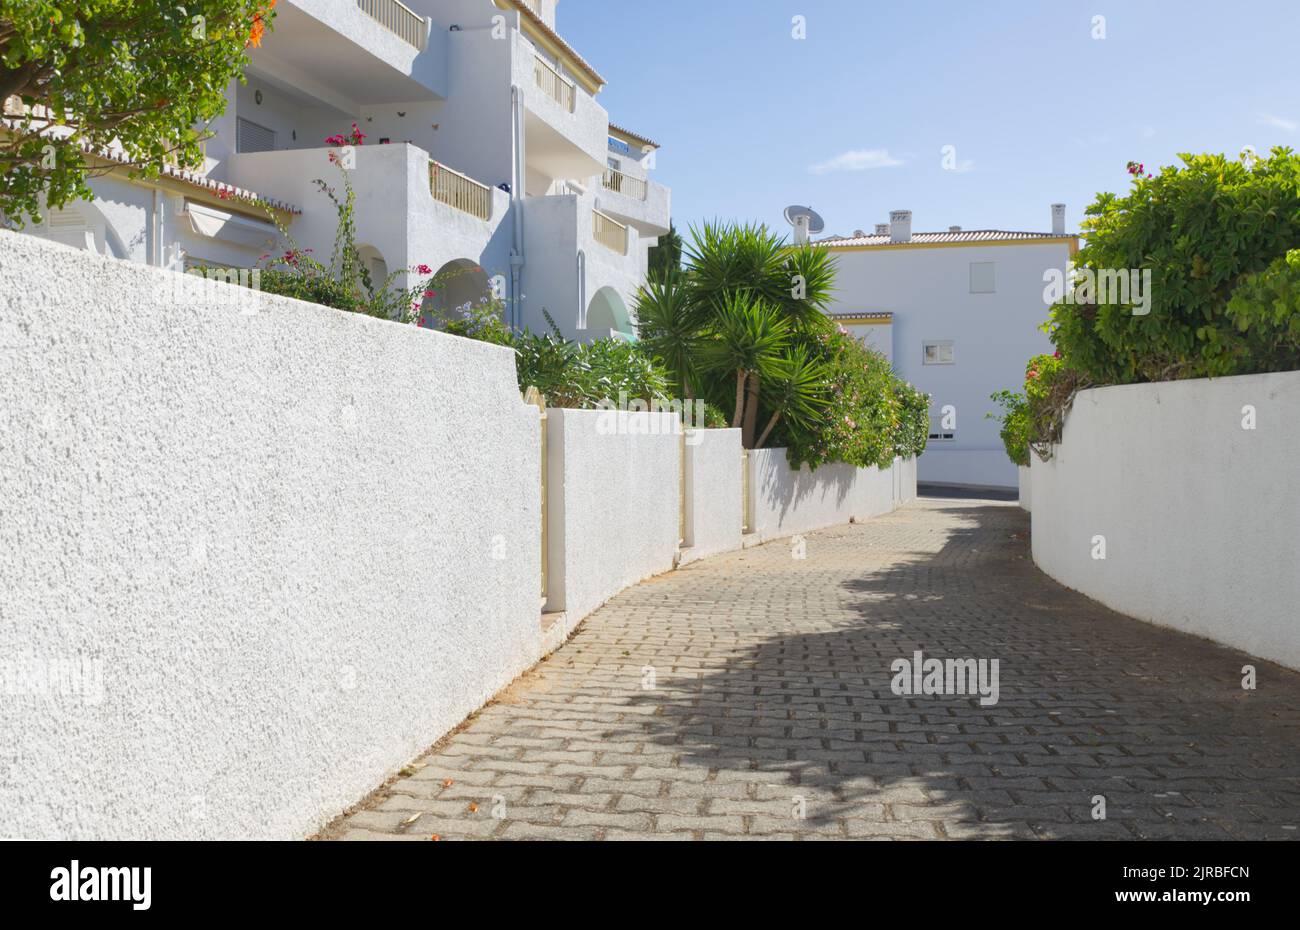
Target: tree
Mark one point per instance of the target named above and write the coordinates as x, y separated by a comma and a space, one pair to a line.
666, 255
748, 338
147, 75
670, 327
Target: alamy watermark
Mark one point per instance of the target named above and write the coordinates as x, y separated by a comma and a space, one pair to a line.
919, 675
80, 676
1121, 286
626, 417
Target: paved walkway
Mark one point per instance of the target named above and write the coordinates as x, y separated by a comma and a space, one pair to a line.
771, 713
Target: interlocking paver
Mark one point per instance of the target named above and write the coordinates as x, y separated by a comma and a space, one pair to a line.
772, 715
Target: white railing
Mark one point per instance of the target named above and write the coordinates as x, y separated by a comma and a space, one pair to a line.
609, 232
554, 84
460, 191
399, 19
621, 183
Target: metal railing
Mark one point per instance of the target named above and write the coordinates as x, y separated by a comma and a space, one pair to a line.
534, 397
460, 191
554, 84
609, 232
621, 183
745, 517
399, 19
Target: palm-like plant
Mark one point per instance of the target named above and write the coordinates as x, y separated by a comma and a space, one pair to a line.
794, 390
670, 325
747, 337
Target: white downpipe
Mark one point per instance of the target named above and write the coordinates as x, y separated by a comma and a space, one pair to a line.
517, 199
582, 289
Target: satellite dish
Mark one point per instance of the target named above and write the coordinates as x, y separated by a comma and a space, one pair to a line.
805, 220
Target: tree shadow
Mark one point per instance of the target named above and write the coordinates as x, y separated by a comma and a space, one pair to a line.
1091, 705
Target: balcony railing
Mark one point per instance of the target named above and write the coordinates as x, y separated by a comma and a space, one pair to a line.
609, 232
621, 183
399, 19
554, 84
459, 191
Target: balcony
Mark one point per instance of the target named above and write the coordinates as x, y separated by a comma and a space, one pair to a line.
553, 84
609, 232
460, 191
625, 184
365, 52
399, 19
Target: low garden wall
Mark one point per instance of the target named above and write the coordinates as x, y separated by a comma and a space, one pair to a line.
714, 500
785, 501
1183, 483
279, 548
614, 512
258, 554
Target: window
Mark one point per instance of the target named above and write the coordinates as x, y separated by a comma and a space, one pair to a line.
614, 163
938, 353
250, 137
983, 277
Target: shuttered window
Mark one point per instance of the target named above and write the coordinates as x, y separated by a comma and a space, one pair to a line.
250, 137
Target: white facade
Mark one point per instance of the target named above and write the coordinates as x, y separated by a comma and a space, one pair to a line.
964, 310
486, 152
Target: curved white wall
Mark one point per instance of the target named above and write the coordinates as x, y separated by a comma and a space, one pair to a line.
1199, 515
301, 544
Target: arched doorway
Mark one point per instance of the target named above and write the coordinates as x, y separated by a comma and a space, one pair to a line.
459, 286
608, 312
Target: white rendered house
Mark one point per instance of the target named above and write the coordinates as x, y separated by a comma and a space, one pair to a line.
486, 153
958, 314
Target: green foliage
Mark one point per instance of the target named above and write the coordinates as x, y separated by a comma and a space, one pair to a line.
671, 325
1265, 310
344, 282
870, 415
1201, 229
94, 72
1034, 420
666, 255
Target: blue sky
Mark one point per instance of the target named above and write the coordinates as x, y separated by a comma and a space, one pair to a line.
854, 118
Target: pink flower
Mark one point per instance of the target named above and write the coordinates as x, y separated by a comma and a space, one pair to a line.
423, 269
430, 293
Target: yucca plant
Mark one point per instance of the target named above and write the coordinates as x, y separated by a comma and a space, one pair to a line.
794, 389
747, 337
670, 325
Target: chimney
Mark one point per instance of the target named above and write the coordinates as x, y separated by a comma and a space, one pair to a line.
954, 229
801, 227
1058, 219
900, 225
882, 229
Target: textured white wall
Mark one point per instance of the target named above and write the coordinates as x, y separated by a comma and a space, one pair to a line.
714, 508
613, 485
1026, 489
302, 543
1199, 515
785, 501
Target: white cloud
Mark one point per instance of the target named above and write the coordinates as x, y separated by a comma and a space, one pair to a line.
857, 160
1277, 122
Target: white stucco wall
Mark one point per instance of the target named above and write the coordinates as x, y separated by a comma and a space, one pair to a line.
1199, 515
993, 335
1026, 489
714, 508
784, 501
613, 482
302, 544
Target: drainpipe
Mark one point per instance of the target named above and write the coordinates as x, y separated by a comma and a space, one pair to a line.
517, 204
582, 289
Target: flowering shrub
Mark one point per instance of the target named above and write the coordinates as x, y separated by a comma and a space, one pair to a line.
871, 415
344, 283
355, 137
1201, 229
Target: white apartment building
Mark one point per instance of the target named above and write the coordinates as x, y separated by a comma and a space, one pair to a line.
486, 152
958, 314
